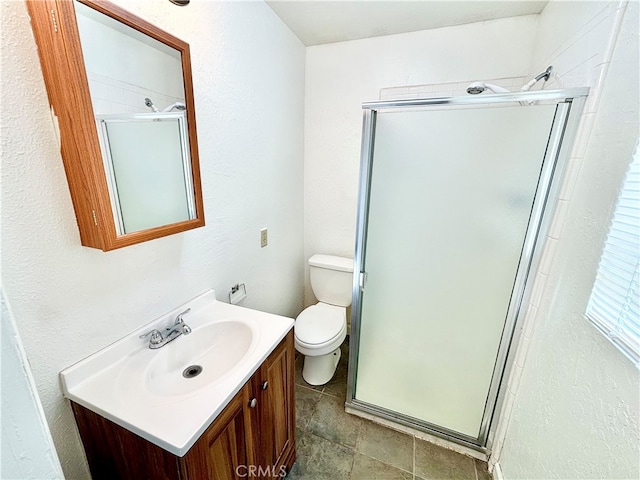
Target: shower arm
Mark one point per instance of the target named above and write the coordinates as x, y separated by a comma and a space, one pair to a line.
544, 75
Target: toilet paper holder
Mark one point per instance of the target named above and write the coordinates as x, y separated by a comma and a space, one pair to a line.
238, 293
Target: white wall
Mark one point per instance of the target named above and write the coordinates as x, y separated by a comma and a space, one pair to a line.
573, 407
68, 300
27, 447
340, 76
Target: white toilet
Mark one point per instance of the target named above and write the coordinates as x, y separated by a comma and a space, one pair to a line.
321, 328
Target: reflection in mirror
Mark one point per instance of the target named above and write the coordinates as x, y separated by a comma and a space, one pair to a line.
138, 97
148, 187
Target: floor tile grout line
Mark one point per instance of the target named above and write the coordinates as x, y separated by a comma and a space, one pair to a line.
353, 459
341, 445
308, 421
378, 460
357, 452
321, 392
316, 390
414, 457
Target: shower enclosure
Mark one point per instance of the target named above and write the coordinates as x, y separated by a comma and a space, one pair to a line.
455, 194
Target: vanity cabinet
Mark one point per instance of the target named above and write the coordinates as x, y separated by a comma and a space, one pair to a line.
253, 437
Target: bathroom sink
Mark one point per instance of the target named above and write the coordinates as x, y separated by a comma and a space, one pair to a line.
171, 394
188, 364
195, 361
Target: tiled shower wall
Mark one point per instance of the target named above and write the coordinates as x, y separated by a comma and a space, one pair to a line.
450, 89
110, 95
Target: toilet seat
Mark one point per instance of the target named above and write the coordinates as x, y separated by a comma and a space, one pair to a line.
341, 335
319, 329
319, 324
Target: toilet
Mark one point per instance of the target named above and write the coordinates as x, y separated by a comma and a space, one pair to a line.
321, 328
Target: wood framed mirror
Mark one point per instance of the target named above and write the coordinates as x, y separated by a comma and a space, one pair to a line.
122, 93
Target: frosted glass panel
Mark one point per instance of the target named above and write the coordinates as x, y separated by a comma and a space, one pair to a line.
450, 200
148, 166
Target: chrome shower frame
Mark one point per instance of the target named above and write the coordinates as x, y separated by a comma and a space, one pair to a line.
102, 121
570, 103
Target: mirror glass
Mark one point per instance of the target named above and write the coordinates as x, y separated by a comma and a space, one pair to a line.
137, 91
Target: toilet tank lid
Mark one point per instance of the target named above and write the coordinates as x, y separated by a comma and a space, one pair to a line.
332, 262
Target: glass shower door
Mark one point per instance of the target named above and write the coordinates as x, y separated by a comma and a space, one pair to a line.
450, 198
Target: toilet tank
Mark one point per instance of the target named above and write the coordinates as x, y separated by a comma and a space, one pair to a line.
332, 279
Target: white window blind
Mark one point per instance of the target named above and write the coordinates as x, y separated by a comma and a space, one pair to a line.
614, 306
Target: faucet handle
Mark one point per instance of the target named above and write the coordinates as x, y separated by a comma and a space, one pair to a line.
183, 327
156, 336
179, 316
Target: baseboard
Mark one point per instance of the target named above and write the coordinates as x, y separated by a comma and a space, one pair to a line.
497, 472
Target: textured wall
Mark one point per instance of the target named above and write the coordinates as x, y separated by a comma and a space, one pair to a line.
68, 300
575, 406
340, 76
27, 448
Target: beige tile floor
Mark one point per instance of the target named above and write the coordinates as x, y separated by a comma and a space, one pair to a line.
334, 445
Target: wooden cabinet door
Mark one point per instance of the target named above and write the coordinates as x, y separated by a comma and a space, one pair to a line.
220, 453
273, 386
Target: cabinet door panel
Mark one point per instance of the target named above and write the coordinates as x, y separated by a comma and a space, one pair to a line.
278, 406
276, 419
220, 454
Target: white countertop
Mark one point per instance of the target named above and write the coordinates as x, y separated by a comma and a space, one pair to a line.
172, 422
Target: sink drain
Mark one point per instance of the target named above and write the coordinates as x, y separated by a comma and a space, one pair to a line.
192, 371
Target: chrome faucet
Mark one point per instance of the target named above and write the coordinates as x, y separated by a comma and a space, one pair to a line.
178, 328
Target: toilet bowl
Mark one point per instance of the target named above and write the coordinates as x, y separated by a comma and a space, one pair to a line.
321, 328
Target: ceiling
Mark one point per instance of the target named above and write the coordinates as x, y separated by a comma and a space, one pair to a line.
317, 22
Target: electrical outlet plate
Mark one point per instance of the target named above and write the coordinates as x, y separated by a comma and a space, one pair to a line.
263, 238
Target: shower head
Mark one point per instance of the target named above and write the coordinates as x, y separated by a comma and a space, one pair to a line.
478, 87
149, 103
475, 88
177, 106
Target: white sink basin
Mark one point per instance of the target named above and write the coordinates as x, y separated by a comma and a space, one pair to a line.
144, 390
215, 348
